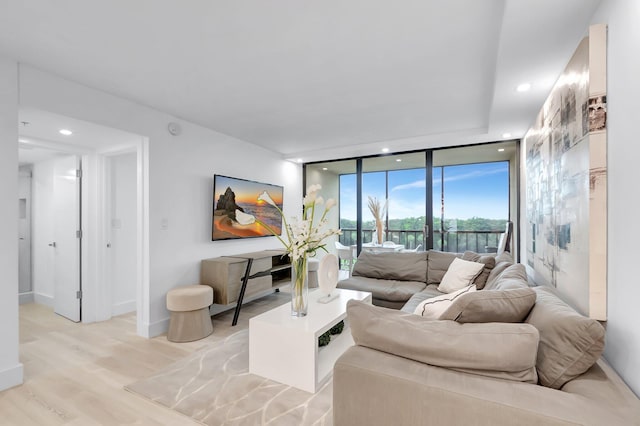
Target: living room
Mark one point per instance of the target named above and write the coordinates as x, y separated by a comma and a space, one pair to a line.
177, 170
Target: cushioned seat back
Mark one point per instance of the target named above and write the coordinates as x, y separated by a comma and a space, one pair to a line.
513, 276
392, 266
569, 342
439, 262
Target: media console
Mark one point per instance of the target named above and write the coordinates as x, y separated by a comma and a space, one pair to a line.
244, 277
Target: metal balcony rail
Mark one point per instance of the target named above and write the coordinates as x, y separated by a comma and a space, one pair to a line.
450, 241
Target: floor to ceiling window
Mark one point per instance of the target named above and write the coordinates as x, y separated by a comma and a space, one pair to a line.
395, 186
472, 189
451, 199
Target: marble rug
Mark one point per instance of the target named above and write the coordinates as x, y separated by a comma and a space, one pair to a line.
214, 386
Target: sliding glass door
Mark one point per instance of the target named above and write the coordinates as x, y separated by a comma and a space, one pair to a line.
471, 193
452, 199
393, 200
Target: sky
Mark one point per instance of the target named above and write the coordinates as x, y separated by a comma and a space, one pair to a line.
246, 191
480, 190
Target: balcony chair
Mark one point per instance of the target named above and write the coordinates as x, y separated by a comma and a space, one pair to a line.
415, 250
346, 255
504, 244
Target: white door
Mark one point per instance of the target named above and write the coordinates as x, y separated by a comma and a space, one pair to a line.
66, 189
24, 232
122, 252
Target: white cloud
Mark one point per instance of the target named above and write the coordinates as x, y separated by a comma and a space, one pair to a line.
417, 184
476, 174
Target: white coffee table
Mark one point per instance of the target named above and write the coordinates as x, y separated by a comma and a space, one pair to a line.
285, 348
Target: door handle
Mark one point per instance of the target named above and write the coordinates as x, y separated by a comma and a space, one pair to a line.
53, 244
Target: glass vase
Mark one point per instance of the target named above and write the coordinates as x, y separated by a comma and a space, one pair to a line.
299, 287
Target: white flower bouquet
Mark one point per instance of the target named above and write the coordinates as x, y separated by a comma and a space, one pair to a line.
303, 238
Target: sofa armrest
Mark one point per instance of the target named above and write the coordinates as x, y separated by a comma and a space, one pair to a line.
372, 388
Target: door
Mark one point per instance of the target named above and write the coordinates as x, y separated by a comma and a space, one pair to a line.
24, 230
67, 232
122, 258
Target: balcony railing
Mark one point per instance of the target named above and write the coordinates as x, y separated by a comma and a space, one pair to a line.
454, 241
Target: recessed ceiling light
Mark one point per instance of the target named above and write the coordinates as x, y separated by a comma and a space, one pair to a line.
324, 168
66, 132
385, 149
500, 149
524, 87
398, 159
506, 135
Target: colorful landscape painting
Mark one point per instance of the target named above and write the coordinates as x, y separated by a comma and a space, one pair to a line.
230, 194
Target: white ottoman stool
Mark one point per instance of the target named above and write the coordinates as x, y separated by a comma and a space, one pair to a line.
190, 319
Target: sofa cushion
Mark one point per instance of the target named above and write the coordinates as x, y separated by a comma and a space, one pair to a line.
496, 271
569, 342
392, 266
491, 306
428, 292
460, 274
505, 256
433, 307
438, 263
448, 343
514, 276
391, 290
489, 263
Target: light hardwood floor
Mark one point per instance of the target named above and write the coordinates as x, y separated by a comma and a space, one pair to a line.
75, 373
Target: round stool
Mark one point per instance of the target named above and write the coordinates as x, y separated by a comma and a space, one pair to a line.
190, 319
312, 268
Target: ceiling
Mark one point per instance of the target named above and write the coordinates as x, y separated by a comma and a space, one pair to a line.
313, 79
40, 138
488, 152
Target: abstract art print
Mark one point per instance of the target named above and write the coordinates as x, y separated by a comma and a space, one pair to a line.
565, 175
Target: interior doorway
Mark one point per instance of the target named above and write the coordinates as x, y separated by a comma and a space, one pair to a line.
102, 274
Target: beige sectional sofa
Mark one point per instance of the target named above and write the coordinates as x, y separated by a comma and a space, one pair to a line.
506, 355
401, 280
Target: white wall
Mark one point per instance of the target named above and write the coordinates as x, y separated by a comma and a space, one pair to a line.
330, 183
180, 183
123, 233
42, 226
10, 367
623, 334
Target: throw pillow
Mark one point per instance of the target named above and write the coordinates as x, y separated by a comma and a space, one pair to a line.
569, 342
433, 307
448, 344
489, 263
514, 276
495, 273
491, 306
460, 274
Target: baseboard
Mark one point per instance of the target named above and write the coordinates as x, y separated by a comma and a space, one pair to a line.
154, 329
123, 308
25, 298
11, 377
43, 299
